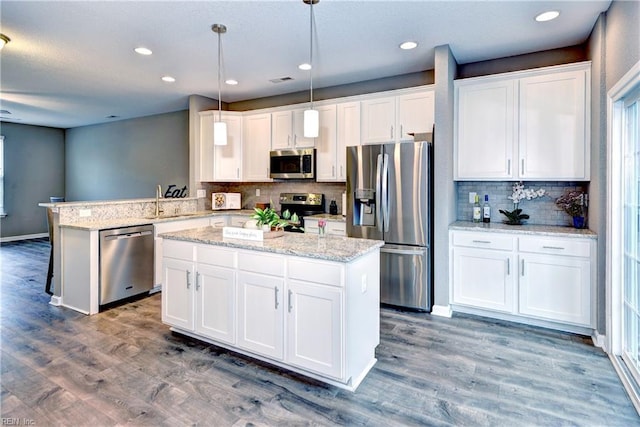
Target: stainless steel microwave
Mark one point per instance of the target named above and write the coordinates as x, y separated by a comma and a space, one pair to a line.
293, 164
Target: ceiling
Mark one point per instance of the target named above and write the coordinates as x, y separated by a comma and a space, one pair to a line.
71, 64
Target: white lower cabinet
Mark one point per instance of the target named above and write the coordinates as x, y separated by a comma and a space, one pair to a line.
260, 314
295, 312
531, 278
332, 228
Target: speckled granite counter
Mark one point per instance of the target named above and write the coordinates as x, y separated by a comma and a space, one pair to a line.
332, 248
539, 230
127, 222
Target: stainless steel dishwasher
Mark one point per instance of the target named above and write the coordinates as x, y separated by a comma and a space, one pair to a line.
126, 262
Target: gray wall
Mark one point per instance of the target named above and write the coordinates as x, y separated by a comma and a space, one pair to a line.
622, 39
34, 170
128, 158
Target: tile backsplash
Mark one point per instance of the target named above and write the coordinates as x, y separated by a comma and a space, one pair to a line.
270, 191
542, 211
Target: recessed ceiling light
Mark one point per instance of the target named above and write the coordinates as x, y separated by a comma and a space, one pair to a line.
143, 51
547, 16
408, 45
305, 66
168, 79
231, 82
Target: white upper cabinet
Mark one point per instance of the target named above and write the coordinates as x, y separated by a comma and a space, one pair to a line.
394, 118
348, 134
256, 146
552, 140
287, 130
529, 125
485, 130
222, 162
326, 145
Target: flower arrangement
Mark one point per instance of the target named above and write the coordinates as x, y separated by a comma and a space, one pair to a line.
322, 223
515, 217
572, 202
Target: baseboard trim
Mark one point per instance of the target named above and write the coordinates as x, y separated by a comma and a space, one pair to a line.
441, 310
599, 340
23, 237
626, 380
56, 301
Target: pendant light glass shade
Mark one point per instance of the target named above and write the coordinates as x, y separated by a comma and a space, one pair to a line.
219, 133
219, 127
311, 116
311, 123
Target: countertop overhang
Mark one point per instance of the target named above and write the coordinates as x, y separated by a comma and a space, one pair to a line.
539, 230
331, 248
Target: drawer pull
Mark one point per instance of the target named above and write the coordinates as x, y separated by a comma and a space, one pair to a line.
276, 297
197, 280
522, 269
289, 303
560, 248
486, 242
188, 279
508, 267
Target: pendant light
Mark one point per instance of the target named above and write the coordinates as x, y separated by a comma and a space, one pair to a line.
219, 127
311, 116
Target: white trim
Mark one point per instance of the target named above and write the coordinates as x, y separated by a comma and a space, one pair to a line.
599, 340
441, 310
56, 301
614, 197
626, 381
23, 237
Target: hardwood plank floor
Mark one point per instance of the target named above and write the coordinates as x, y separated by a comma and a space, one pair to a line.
124, 367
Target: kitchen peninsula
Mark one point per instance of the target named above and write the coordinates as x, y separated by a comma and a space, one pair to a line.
307, 303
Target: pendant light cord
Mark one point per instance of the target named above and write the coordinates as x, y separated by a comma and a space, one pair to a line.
311, 52
219, 89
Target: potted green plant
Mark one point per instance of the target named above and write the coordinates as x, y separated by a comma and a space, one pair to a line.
268, 218
574, 204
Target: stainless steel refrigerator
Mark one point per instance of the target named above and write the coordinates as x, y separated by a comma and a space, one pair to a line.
389, 197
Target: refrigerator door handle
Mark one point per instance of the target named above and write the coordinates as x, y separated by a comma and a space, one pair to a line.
403, 251
385, 191
378, 191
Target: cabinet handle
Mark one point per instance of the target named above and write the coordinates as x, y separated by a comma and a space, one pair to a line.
237, 172
522, 169
333, 171
509, 167
289, 302
341, 175
276, 297
482, 241
522, 267
188, 279
197, 280
391, 132
560, 248
401, 131
288, 140
295, 140
508, 267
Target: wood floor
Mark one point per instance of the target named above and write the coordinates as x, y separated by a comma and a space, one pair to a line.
124, 367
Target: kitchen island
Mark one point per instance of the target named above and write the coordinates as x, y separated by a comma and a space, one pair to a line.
307, 303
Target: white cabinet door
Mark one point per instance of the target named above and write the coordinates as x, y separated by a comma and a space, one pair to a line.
378, 120
348, 134
556, 288
335, 228
484, 278
314, 328
485, 136
415, 114
281, 128
326, 147
261, 314
227, 159
215, 303
177, 293
552, 140
239, 220
205, 147
256, 145
299, 140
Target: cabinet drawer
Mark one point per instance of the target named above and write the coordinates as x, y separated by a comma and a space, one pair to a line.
219, 221
483, 240
326, 273
177, 250
238, 221
569, 247
213, 255
261, 263
337, 229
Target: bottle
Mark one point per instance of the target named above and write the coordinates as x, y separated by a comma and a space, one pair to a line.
333, 208
486, 209
477, 211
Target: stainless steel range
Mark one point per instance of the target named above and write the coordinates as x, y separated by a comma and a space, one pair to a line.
302, 204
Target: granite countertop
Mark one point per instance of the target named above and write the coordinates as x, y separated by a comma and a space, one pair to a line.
128, 222
328, 217
538, 230
331, 248
109, 202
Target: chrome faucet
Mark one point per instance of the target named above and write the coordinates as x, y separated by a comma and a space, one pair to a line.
158, 195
